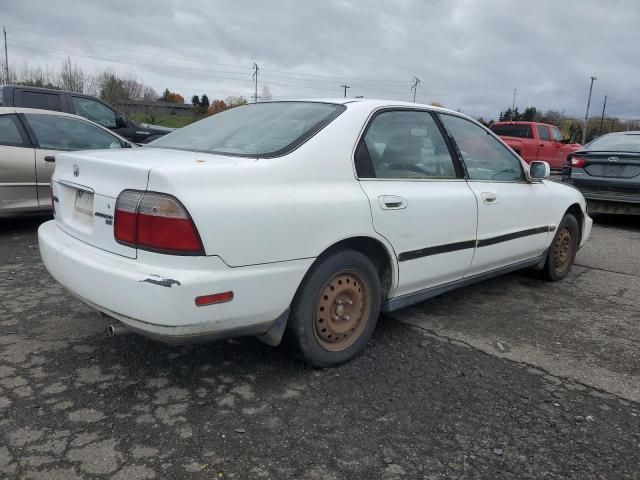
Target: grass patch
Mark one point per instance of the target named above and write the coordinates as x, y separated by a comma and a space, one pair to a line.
172, 121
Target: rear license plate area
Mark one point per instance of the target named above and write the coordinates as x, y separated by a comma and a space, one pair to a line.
83, 208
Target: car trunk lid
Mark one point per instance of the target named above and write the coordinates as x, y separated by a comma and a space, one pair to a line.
86, 185
611, 164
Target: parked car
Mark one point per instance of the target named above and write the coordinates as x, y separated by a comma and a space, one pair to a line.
29, 141
86, 106
535, 141
302, 219
607, 172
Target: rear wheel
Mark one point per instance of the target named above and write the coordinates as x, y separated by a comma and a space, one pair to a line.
562, 251
335, 310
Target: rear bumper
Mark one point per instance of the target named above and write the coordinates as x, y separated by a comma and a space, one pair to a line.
155, 294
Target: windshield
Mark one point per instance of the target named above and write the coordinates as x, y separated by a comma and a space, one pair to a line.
256, 130
512, 130
626, 142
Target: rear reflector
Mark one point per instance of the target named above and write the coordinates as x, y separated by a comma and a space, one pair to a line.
577, 162
157, 222
215, 298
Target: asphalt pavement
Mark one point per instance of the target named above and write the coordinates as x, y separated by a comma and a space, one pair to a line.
511, 378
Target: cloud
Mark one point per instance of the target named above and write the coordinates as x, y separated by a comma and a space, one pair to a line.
469, 54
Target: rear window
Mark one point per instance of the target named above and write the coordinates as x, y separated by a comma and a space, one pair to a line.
628, 142
45, 101
520, 131
257, 130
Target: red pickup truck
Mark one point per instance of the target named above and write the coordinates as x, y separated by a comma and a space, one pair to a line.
536, 141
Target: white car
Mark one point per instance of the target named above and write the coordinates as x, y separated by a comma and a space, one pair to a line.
302, 220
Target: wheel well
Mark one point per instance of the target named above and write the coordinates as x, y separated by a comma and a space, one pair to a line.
375, 251
576, 211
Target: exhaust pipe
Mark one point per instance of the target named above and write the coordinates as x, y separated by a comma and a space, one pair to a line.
117, 330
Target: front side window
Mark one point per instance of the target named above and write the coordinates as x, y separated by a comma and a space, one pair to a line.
543, 133
65, 133
42, 100
258, 130
9, 131
558, 136
407, 144
95, 111
484, 156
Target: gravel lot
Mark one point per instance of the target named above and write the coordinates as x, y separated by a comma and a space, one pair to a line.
511, 378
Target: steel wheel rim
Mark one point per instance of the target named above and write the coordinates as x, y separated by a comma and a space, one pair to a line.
562, 250
342, 311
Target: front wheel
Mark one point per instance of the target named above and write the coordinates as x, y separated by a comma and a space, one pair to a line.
335, 310
562, 251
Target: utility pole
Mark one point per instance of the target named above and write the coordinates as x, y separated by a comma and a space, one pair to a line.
255, 78
513, 104
345, 86
6, 57
586, 115
604, 105
414, 86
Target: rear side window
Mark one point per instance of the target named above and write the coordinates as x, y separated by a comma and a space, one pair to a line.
42, 100
258, 130
543, 133
520, 131
406, 144
10, 133
55, 132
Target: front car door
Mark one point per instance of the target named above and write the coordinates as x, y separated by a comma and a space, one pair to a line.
419, 201
55, 133
560, 156
17, 167
546, 148
512, 212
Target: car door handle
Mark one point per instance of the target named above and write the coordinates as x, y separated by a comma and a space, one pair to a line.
49, 158
489, 198
542, 144
392, 202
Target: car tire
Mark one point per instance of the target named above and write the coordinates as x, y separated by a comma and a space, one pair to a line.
563, 248
335, 310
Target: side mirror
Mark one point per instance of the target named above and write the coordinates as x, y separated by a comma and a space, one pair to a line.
539, 170
121, 121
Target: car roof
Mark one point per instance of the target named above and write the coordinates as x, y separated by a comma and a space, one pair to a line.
628, 132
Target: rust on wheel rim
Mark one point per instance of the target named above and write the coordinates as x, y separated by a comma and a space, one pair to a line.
562, 250
342, 311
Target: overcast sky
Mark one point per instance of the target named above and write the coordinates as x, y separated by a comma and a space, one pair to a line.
469, 54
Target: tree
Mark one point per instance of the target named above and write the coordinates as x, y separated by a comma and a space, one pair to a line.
171, 97
204, 104
195, 101
71, 77
529, 114
235, 101
217, 106
266, 94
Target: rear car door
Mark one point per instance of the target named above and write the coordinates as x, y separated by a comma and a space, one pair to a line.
17, 166
56, 133
513, 214
419, 201
546, 148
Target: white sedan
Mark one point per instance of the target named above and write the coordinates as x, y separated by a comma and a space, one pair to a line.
301, 221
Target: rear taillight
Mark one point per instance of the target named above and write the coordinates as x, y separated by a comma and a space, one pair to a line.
577, 162
157, 222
